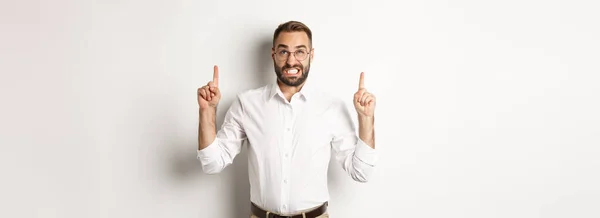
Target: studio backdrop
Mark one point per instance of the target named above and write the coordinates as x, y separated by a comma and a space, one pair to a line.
484, 108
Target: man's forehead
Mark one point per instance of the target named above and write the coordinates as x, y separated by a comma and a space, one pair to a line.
291, 46
292, 40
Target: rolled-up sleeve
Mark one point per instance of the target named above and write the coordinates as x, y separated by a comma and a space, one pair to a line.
228, 143
356, 157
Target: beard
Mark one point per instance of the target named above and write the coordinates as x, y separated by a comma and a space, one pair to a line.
292, 81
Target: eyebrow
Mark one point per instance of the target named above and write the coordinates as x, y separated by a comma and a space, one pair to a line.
285, 46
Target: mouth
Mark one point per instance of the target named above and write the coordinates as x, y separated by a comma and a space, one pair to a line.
291, 71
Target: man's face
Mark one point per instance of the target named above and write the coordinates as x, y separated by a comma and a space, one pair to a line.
291, 54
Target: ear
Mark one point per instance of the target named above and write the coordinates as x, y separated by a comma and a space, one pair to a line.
312, 53
273, 53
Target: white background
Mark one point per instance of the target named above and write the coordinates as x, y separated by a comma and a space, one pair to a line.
485, 108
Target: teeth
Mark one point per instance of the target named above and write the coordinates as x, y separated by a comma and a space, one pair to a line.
293, 71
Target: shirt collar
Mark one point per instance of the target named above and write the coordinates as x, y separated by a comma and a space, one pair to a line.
304, 92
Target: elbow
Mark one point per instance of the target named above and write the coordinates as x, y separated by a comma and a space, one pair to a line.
361, 180
360, 171
211, 169
360, 177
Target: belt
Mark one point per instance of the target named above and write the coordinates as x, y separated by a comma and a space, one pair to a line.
309, 214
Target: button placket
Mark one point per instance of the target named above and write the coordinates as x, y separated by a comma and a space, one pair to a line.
288, 137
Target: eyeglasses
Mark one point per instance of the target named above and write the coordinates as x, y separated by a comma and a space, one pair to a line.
299, 54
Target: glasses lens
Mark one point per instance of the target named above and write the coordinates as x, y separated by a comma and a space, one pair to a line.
300, 55
282, 55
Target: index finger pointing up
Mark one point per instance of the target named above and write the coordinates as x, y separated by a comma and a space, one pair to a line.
361, 83
216, 76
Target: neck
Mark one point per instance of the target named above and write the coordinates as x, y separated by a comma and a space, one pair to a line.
289, 91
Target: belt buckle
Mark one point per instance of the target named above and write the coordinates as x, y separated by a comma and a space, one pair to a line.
278, 216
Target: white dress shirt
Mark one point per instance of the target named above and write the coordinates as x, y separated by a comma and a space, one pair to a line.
289, 146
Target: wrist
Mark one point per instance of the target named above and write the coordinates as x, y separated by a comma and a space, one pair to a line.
366, 119
208, 114
207, 111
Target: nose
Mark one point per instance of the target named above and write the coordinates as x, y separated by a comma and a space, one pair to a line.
291, 60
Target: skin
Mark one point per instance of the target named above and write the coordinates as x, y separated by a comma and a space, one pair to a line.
209, 95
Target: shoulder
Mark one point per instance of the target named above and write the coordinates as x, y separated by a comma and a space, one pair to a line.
252, 98
248, 99
255, 93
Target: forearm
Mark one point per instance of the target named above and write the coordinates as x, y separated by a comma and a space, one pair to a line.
207, 130
366, 130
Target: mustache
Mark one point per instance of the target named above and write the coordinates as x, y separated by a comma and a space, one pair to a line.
287, 66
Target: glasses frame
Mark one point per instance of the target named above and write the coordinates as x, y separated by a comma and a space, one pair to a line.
308, 52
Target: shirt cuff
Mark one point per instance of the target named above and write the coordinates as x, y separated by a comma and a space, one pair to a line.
209, 153
365, 153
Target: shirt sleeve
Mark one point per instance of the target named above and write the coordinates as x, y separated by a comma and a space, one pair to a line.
356, 157
228, 143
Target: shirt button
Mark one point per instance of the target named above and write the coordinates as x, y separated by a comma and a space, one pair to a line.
284, 207
288, 129
286, 155
285, 181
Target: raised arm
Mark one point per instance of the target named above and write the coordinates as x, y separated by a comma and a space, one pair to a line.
364, 103
356, 154
217, 149
208, 99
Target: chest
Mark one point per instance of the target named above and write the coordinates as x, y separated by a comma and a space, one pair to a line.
283, 128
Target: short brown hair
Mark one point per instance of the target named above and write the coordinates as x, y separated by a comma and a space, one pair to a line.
293, 26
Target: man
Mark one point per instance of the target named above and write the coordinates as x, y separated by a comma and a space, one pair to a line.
291, 128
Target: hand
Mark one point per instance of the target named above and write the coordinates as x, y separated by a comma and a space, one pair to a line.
364, 102
209, 95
